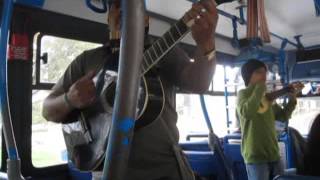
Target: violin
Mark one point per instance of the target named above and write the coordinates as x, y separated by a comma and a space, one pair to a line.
268, 98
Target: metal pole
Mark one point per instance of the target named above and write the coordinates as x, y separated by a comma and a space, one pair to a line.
13, 161
214, 143
244, 22
124, 113
285, 81
226, 94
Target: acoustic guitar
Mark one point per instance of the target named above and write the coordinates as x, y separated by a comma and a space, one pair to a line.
86, 138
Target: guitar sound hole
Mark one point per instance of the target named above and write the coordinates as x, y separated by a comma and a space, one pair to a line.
111, 92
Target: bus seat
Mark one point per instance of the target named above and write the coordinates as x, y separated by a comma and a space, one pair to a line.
232, 149
75, 174
204, 163
298, 147
202, 160
195, 146
296, 177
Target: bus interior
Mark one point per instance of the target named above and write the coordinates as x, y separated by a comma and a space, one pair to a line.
49, 34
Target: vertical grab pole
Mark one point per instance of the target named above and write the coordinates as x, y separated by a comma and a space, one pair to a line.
214, 143
124, 112
13, 161
226, 95
285, 81
282, 62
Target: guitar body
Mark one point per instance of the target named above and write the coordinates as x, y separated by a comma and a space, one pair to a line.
86, 139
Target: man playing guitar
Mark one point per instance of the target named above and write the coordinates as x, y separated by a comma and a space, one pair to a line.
154, 153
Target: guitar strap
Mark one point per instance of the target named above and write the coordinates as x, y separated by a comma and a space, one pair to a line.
111, 61
184, 167
100, 81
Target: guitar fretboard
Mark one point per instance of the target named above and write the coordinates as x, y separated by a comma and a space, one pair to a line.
161, 46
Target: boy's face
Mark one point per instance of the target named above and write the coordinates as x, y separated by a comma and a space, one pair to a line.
259, 75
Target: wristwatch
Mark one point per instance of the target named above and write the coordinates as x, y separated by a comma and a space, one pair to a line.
210, 55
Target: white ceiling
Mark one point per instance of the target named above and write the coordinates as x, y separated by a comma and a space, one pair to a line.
286, 18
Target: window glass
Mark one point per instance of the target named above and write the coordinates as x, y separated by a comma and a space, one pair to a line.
48, 147
191, 119
61, 52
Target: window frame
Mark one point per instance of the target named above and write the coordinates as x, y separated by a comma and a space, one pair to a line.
43, 86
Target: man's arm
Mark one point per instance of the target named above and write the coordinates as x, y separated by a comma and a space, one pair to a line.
189, 76
55, 108
249, 105
196, 76
74, 90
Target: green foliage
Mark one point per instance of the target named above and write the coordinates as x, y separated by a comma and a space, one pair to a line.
61, 52
37, 113
43, 158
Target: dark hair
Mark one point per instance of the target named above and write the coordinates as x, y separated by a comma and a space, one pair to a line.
249, 67
312, 156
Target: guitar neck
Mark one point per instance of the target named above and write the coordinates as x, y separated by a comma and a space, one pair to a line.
161, 46
276, 94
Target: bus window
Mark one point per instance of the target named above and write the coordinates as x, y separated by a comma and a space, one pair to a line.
232, 75
191, 119
190, 116
60, 52
48, 147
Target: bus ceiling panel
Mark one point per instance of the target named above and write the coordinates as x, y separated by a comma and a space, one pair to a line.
286, 18
79, 9
173, 9
159, 27
76, 8
282, 17
300, 15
